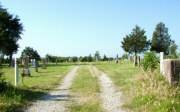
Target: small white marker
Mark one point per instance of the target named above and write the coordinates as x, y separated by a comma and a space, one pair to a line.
16, 71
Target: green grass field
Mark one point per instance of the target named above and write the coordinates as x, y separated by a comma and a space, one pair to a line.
144, 91
32, 87
86, 87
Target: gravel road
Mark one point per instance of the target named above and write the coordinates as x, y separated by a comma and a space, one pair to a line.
55, 101
110, 95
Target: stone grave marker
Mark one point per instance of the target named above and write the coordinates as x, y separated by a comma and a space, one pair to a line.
33, 62
26, 70
44, 63
117, 59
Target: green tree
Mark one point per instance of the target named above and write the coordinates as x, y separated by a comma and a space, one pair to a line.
136, 41
105, 58
161, 39
10, 32
90, 58
33, 54
172, 50
74, 59
84, 59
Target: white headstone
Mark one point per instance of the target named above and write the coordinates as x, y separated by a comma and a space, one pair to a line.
33, 62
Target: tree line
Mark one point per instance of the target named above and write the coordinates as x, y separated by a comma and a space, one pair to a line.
33, 54
89, 58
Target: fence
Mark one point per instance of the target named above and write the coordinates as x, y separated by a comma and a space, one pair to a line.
170, 68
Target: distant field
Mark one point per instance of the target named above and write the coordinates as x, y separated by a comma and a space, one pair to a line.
33, 87
144, 91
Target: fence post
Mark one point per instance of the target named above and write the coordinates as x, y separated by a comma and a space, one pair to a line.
161, 62
16, 71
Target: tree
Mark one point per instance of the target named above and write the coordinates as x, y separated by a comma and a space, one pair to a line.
172, 50
84, 59
135, 42
10, 32
90, 58
105, 58
74, 59
33, 54
161, 39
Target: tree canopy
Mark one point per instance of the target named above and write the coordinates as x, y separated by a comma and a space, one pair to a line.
10, 32
33, 54
160, 39
136, 41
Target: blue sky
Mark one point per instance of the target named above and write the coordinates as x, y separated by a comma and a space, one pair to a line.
80, 27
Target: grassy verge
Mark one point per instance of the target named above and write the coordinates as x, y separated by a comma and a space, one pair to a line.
145, 91
86, 87
33, 87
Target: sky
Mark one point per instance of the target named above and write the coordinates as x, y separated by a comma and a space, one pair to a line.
81, 27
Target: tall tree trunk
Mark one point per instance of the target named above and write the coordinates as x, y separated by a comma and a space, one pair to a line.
135, 59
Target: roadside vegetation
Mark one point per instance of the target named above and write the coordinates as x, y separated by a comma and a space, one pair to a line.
13, 98
144, 91
85, 87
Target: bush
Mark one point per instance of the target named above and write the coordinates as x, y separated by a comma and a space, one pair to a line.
150, 61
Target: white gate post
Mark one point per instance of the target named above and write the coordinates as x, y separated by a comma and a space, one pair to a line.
16, 71
161, 62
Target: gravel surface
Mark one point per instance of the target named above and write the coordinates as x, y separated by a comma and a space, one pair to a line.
55, 101
110, 95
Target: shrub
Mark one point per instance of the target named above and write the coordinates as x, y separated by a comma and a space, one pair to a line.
150, 61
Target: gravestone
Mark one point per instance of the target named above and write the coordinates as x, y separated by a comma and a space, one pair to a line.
44, 63
36, 65
33, 62
26, 70
117, 59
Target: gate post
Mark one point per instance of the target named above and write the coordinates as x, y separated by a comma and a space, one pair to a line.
161, 62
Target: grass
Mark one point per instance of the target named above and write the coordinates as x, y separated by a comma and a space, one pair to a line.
32, 88
86, 87
144, 91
